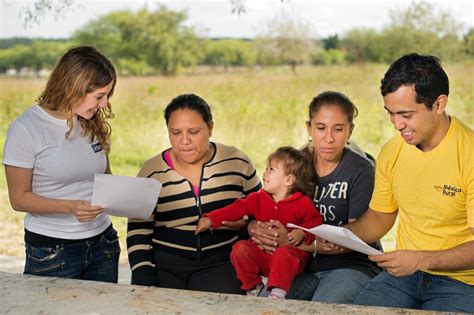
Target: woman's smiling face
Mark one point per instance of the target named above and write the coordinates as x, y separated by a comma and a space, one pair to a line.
92, 102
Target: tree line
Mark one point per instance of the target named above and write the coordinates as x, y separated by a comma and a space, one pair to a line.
158, 42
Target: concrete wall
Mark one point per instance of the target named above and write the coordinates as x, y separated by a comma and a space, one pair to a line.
25, 294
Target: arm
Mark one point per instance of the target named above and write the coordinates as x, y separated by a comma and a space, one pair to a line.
268, 235
140, 250
405, 262
296, 236
24, 200
311, 218
238, 210
323, 247
250, 183
372, 225
235, 225
204, 224
139, 241
264, 235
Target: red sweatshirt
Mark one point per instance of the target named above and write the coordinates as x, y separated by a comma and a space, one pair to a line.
297, 209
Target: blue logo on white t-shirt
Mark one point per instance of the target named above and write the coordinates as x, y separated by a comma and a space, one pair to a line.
96, 147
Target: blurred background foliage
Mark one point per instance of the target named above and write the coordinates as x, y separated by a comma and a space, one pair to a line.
157, 42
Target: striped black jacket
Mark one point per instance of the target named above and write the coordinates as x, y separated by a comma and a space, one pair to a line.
228, 175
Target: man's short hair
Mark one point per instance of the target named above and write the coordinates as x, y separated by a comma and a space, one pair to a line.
422, 71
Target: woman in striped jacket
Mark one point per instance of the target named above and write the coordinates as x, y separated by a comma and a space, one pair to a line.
197, 177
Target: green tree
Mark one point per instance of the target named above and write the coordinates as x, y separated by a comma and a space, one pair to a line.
230, 52
40, 54
332, 42
363, 45
329, 57
424, 28
152, 39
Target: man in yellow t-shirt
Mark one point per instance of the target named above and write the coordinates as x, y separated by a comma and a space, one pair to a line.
425, 176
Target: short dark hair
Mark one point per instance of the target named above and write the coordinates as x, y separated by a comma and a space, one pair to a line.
422, 71
192, 102
333, 98
300, 165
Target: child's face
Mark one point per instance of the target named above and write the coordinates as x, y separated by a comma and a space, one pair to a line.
274, 178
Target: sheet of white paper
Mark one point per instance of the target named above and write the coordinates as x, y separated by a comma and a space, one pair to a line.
125, 196
340, 236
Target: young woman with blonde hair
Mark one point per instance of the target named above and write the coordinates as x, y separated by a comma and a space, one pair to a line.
51, 154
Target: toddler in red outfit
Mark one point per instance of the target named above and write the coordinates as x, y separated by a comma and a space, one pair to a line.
287, 182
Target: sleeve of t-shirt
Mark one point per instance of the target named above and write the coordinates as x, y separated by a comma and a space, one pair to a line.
19, 147
382, 198
361, 192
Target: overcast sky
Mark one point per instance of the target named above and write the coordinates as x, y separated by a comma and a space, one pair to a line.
214, 18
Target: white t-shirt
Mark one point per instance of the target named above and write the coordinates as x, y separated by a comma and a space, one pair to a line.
62, 169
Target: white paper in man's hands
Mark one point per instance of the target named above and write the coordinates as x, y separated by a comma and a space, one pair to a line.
340, 236
125, 196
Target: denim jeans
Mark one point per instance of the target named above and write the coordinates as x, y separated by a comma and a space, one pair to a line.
302, 287
331, 286
339, 285
420, 290
92, 259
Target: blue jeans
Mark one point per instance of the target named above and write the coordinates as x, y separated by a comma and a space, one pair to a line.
331, 286
420, 290
92, 259
339, 285
302, 287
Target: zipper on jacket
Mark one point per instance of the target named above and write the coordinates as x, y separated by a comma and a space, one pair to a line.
198, 202
198, 246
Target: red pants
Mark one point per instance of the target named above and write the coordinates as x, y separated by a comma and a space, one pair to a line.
281, 267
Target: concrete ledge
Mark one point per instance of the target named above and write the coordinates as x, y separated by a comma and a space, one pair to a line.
25, 294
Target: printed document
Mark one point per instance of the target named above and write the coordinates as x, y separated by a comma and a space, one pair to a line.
125, 196
340, 236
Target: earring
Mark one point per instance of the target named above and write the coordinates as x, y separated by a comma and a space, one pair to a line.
310, 139
348, 141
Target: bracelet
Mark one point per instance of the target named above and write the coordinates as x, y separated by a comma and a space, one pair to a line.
315, 252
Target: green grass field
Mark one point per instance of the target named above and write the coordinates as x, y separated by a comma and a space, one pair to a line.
255, 111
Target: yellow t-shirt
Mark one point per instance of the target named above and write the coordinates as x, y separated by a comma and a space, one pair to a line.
433, 192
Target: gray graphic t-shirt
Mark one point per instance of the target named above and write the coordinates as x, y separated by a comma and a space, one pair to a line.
342, 195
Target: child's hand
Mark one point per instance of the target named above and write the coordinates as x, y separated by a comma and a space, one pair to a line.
235, 225
295, 237
204, 224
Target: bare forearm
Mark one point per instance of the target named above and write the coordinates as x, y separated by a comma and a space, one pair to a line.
460, 257
33, 203
306, 247
373, 225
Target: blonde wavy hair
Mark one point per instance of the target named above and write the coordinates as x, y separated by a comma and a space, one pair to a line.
81, 70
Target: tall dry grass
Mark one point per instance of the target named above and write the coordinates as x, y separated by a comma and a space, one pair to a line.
256, 111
